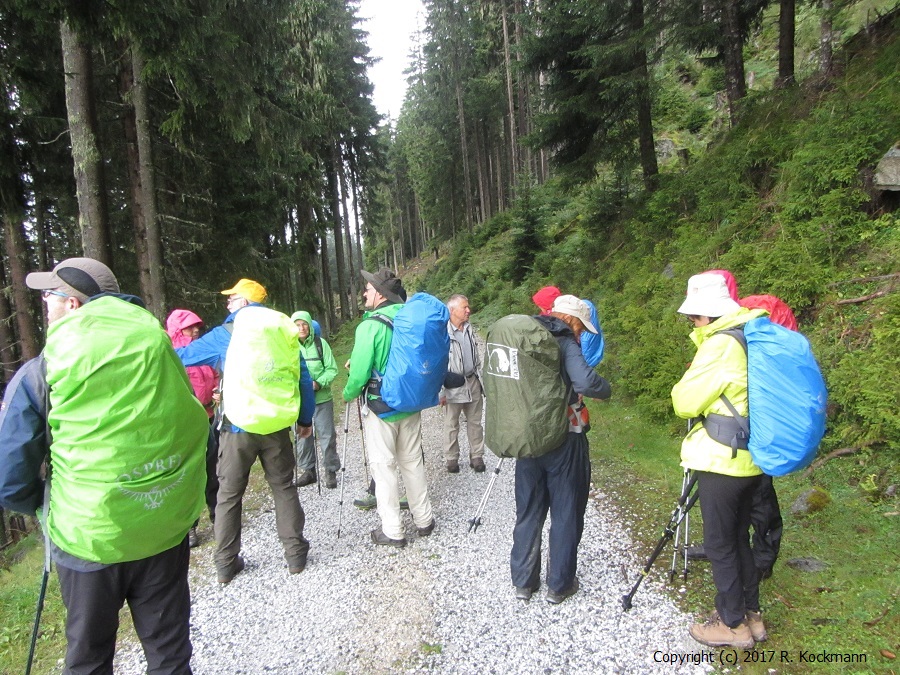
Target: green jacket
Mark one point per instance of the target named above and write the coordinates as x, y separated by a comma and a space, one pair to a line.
322, 369
719, 367
371, 347
128, 455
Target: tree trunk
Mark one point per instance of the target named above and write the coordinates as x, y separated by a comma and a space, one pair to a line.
157, 289
8, 356
354, 291
484, 193
17, 256
786, 32
326, 273
826, 40
90, 183
354, 187
510, 102
464, 150
733, 53
338, 229
646, 144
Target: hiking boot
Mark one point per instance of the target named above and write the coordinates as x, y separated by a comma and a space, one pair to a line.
226, 574
477, 464
757, 627
381, 539
366, 502
330, 480
714, 633
555, 598
193, 538
404, 503
428, 529
305, 478
297, 567
452, 466
524, 593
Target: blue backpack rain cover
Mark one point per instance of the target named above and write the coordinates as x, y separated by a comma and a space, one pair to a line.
592, 345
787, 398
419, 356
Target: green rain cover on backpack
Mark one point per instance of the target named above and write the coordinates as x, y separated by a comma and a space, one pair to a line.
261, 384
129, 437
526, 398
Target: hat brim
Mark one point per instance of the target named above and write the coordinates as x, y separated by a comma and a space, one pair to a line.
589, 325
695, 306
41, 281
393, 297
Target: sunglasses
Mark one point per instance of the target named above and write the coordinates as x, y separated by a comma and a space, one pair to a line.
46, 293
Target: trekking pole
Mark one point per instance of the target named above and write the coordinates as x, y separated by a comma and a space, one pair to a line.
44, 577
362, 434
315, 441
343, 467
681, 510
475, 520
680, 545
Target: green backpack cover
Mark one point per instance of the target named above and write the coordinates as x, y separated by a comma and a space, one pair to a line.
526, 398
128, 454
261, 384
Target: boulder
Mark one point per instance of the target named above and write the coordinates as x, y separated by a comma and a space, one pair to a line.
887, 173
810, 502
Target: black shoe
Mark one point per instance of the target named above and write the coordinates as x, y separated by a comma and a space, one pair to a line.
428, 529
452, 466
227, 574
193, 538
330, 480
477, 464
297, 567
524, 593
696, 552
380, 538
305, 478
555, 598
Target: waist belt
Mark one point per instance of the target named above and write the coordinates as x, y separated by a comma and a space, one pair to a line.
727, 430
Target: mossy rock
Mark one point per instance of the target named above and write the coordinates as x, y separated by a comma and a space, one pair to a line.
810, 502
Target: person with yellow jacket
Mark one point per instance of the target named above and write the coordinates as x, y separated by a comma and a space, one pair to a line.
716, 451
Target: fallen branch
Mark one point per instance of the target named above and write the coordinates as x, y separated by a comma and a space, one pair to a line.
883, 277
853, 301
831, 455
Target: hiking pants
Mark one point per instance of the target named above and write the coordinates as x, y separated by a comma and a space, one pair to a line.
394, 445
474, 430
156, 589
323, 421
726, 502
237, 452
767, 526
559, 482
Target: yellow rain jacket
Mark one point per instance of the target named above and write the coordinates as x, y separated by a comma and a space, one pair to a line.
719, 367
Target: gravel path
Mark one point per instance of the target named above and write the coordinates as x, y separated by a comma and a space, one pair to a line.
443, 604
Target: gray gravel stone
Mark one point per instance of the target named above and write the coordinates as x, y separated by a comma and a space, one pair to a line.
444, 604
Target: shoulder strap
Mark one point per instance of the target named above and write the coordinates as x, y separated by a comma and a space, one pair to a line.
737, 332
318, 342
381, 318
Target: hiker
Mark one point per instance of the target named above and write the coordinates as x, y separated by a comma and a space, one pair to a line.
125, 466
727, 478
394, 441
559, 480
322, 369
592, 344
467, 399
256, 422
765, 515
183, 327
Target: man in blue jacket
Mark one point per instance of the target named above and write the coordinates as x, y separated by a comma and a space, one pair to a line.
240, 448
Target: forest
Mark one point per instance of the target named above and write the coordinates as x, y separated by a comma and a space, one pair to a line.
611, 148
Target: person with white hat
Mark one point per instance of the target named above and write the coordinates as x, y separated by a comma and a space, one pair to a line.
717, 454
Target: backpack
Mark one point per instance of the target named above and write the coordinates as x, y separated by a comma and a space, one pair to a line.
418, 360
787, 397
778, 309
261, 383
592, 344
526, 397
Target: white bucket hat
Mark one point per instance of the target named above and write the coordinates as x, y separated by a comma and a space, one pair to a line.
707, 295
569, 304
